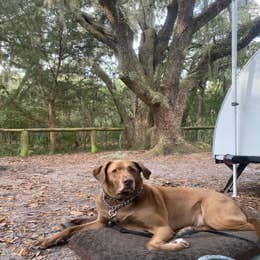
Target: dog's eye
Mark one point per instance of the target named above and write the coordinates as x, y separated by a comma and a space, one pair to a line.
131, 169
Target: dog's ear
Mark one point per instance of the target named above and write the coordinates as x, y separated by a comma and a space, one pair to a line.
101, 172
97, 173
146, 172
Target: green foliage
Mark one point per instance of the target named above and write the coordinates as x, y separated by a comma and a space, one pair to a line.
205, 100
204, 103
45, 55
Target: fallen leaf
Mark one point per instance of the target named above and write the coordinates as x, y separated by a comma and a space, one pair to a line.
76, 213
23, 252
7, 240
4, 224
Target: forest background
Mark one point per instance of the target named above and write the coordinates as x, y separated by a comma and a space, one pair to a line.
148, 66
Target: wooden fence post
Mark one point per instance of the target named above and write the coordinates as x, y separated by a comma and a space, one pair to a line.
93, 141
24, 144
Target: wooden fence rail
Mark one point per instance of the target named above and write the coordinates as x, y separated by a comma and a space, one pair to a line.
196, 128
24, 134
61, 129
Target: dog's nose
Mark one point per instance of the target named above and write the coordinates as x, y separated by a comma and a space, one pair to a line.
128, 182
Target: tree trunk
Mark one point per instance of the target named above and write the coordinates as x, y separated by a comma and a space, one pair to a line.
143, 124
52, 124
167, 132
167, 136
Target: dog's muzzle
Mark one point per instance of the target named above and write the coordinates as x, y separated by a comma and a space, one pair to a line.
128, 183
127, 187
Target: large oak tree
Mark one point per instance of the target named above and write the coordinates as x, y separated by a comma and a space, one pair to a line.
155, 72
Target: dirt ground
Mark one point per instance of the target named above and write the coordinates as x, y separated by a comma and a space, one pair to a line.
39, 193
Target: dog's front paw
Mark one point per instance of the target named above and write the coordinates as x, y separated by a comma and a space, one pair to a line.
41, 244
180, 243
44, 244
48, 242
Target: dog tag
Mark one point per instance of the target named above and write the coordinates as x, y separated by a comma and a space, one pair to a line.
112, 213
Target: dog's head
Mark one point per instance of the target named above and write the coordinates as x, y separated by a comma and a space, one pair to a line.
121, 178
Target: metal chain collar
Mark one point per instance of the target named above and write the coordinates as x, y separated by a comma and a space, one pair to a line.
113, 210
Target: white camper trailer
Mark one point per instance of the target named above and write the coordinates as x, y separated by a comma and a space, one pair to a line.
246, 125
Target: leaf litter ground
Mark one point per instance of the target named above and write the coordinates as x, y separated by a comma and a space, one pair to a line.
39, 193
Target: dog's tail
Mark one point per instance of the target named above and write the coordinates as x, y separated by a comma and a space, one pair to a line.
256, 223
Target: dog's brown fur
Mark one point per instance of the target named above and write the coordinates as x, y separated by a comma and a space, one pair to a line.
160, 210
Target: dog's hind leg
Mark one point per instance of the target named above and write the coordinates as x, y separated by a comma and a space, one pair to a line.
192, 229
225, 214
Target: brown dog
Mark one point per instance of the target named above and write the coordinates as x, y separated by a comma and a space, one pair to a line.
162, 211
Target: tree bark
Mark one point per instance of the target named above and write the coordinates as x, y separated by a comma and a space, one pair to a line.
167, 137
143, 124
52, 124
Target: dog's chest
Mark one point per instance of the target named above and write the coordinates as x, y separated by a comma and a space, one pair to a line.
129, 220
121, 217
124, 217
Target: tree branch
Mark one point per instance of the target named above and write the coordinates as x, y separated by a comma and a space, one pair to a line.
165, 33
145, 93
131, 71
127, 120
97, 30
208, 14
223, 48
121, 108
176, 56
117, 20
147, 52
